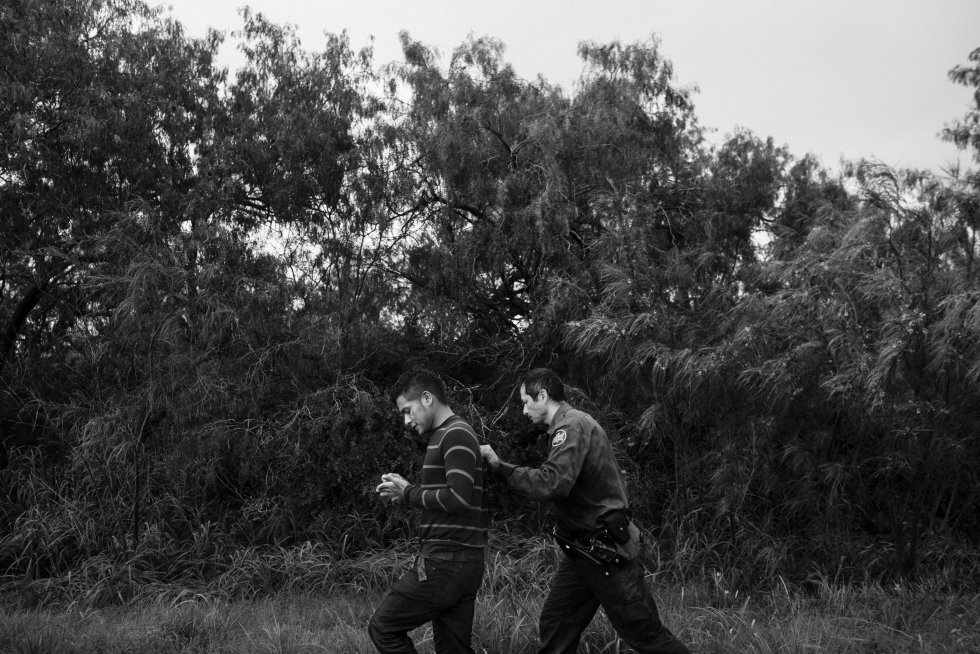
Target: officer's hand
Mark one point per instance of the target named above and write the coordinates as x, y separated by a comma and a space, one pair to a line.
489, 455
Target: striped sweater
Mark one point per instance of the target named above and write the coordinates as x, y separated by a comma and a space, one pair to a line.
451, 491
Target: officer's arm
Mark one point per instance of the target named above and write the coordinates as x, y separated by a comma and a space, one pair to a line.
556, 476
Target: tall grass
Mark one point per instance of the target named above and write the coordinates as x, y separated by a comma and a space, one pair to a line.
307, 599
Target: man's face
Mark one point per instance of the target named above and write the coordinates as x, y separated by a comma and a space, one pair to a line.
417, 413
535, 407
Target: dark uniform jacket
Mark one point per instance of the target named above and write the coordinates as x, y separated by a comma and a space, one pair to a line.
581, 477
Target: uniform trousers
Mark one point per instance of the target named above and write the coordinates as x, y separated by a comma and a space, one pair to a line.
580, 587
445, 597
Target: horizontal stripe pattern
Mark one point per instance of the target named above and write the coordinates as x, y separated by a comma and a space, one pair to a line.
450, 492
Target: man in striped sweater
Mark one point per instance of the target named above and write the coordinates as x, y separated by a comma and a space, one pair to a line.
441, 588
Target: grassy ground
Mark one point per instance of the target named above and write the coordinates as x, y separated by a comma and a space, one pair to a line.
303, 617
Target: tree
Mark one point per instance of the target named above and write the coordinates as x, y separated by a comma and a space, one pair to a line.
525, 194
150, 327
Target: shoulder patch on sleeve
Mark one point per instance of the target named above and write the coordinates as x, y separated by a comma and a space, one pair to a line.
559, 438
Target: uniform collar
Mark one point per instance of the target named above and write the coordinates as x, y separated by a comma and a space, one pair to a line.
559, 414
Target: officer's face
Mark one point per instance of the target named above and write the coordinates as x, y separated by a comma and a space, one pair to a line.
535, 407
417, 413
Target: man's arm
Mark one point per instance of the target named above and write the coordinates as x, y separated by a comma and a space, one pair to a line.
461, 455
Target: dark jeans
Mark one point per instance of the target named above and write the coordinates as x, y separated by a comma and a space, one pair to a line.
446, 598
577, 591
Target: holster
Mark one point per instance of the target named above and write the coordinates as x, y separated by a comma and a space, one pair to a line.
597, 546
617, 523
573, 547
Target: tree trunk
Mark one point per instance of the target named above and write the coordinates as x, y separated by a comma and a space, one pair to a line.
9, 338
17, 320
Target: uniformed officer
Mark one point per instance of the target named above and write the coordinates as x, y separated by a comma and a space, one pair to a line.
600, 566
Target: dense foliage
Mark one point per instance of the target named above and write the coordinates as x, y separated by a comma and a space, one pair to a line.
207, 283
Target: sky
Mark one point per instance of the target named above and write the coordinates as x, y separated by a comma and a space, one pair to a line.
840, 79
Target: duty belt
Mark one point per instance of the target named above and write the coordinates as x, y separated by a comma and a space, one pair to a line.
599, 547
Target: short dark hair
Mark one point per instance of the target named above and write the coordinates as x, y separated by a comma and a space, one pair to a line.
546, 379
412, 383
